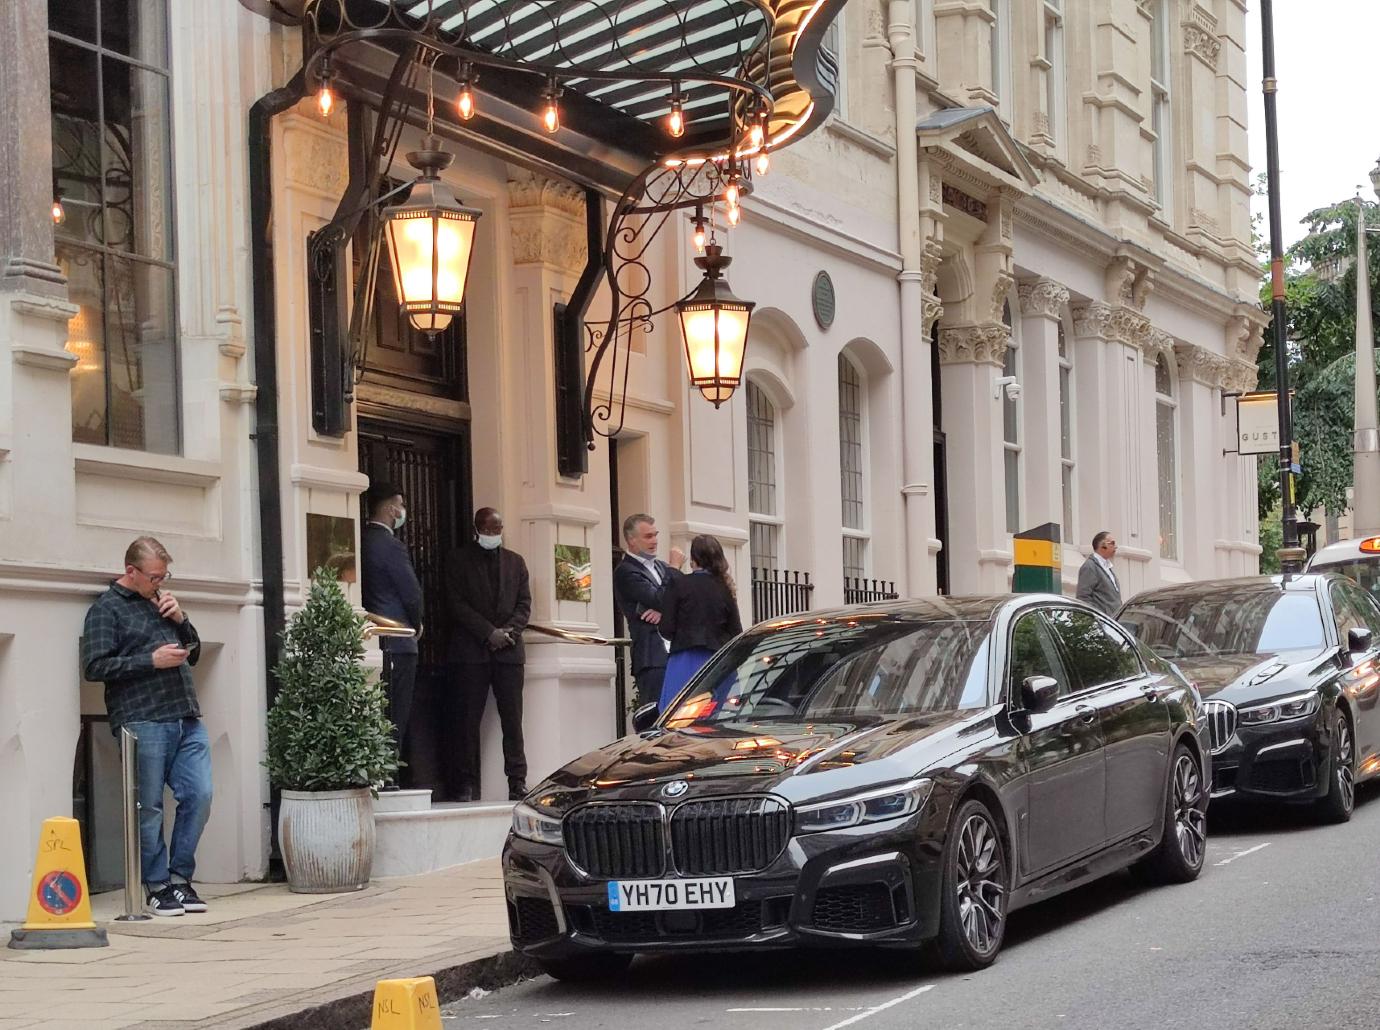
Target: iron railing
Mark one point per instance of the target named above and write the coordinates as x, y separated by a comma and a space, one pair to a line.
776, 592
865, 591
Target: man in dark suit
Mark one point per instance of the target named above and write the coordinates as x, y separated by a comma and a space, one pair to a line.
1097, 583
491, 600
390, 588
638, 583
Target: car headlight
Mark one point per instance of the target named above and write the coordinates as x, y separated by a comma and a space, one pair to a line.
872, 807
529, 824
1295, 706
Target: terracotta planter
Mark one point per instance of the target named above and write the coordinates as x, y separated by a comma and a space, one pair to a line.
327, 839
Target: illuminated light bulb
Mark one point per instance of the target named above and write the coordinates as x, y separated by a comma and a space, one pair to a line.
675, 122
59, 213
734, 213
756, 137
699, 238
732, 194
763, 163
464, 103
325, 99
551, 116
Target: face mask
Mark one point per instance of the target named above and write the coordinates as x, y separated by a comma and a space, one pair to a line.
398, 522
489, 543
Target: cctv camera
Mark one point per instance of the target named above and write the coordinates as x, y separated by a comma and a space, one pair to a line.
1009, 385
1013, 391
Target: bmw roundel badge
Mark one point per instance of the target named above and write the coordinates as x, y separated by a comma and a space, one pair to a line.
674, 789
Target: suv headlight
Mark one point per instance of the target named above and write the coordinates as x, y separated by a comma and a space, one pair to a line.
529, 824
874, 806
1295, 706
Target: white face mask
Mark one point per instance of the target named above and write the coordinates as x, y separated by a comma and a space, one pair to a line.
489, 543
402, 517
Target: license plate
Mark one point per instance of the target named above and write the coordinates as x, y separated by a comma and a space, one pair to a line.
668, 895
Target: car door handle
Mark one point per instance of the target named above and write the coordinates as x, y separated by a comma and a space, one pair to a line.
1151, 692
1084, 717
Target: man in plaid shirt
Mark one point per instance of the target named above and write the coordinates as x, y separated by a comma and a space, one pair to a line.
141, 645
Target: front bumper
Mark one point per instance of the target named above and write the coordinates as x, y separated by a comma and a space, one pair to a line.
1284, 761
864, 885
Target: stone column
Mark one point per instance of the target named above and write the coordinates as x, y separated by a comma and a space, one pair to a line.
1092, 447
1206, 486
972, 357
26, 154
1042, 302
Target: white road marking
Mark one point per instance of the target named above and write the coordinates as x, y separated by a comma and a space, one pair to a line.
799, 1008
880, 1008
1243, 854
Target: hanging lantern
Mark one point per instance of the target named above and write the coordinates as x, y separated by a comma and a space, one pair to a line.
714, 326
430, 243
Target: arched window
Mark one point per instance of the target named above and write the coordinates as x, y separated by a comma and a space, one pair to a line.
1066, 458
1011, 427
1166, 447
764, 518
853, 485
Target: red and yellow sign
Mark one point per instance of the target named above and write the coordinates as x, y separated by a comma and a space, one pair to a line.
59, 903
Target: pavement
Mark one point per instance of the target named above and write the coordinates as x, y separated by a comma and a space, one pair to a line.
266, 958
1282, 930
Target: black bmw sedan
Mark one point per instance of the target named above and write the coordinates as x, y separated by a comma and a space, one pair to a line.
1289, 671
898, 774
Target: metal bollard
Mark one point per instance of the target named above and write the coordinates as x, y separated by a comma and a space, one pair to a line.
129, 782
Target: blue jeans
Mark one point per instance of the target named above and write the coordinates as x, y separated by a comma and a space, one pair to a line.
177, 754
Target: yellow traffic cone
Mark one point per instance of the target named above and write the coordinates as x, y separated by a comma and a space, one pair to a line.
406, 1005
59, 905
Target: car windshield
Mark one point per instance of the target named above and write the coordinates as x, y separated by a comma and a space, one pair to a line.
1365, 571
858, 666
1256, 621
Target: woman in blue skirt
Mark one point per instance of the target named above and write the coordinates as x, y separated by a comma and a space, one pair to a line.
699, 614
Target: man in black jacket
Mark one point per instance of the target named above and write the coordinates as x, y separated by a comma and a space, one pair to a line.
491, 600
638, 583
390, 588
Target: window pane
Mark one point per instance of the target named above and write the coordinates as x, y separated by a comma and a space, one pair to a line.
1164, 381
761, 426
1032, 655
1098, 652
137, 165
854, 557
142, 356
1065, 413
86, 339
1068, 502
1165, 444
76, 139
137, 28
1013, 491
1009, 426
764, 545
76, 18
850, 444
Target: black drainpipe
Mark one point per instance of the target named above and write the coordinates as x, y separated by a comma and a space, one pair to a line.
265, 433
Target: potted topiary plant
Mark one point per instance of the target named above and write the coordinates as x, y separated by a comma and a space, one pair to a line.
329, 744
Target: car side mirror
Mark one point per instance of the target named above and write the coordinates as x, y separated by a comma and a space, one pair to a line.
1358, 639
1038, 693
644, 717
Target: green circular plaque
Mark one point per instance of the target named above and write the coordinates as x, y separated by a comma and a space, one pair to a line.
823, 300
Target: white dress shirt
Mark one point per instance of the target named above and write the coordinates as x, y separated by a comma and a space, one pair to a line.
1107, 568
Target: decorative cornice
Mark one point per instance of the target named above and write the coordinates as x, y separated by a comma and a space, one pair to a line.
974, 345
527, 189
51, 359
1042, 298
45, 309
1200, 43
1129, 282
1201, 365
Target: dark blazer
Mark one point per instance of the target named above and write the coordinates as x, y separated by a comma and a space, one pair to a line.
478, 612
698, 611
635, 592
389, 584
1097, 588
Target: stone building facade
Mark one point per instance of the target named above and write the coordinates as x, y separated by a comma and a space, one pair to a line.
1037, 194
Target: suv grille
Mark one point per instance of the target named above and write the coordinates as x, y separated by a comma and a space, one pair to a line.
729, 835
1221, 723
854, 908
713, 837
619, 840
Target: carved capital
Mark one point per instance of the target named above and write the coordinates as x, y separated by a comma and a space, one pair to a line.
1201, 365
974, 345
1129, 327
1092, 319
1201, 44
1001, 290
931, 312
1240, 377
527, 189
1156, 343
1043, 298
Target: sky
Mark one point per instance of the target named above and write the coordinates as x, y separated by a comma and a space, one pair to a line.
1327, 53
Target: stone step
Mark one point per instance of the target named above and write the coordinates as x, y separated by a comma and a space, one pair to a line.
402, 801
424, 840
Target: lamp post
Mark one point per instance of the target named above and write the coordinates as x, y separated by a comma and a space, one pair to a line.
1365, 502
714, 326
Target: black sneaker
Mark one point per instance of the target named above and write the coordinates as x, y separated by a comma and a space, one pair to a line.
191, 901
164, 902
517, 791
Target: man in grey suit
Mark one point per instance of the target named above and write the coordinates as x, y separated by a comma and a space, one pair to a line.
1097, 583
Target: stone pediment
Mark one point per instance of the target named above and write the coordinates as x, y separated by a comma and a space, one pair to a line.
976, 139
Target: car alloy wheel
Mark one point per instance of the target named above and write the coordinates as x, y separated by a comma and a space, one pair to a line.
980, 883
1346, 776
1190, 821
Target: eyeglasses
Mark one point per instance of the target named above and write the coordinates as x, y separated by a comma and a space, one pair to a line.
155, 580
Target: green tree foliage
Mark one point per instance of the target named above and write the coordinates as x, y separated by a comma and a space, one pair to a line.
329, 727
1320, 298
